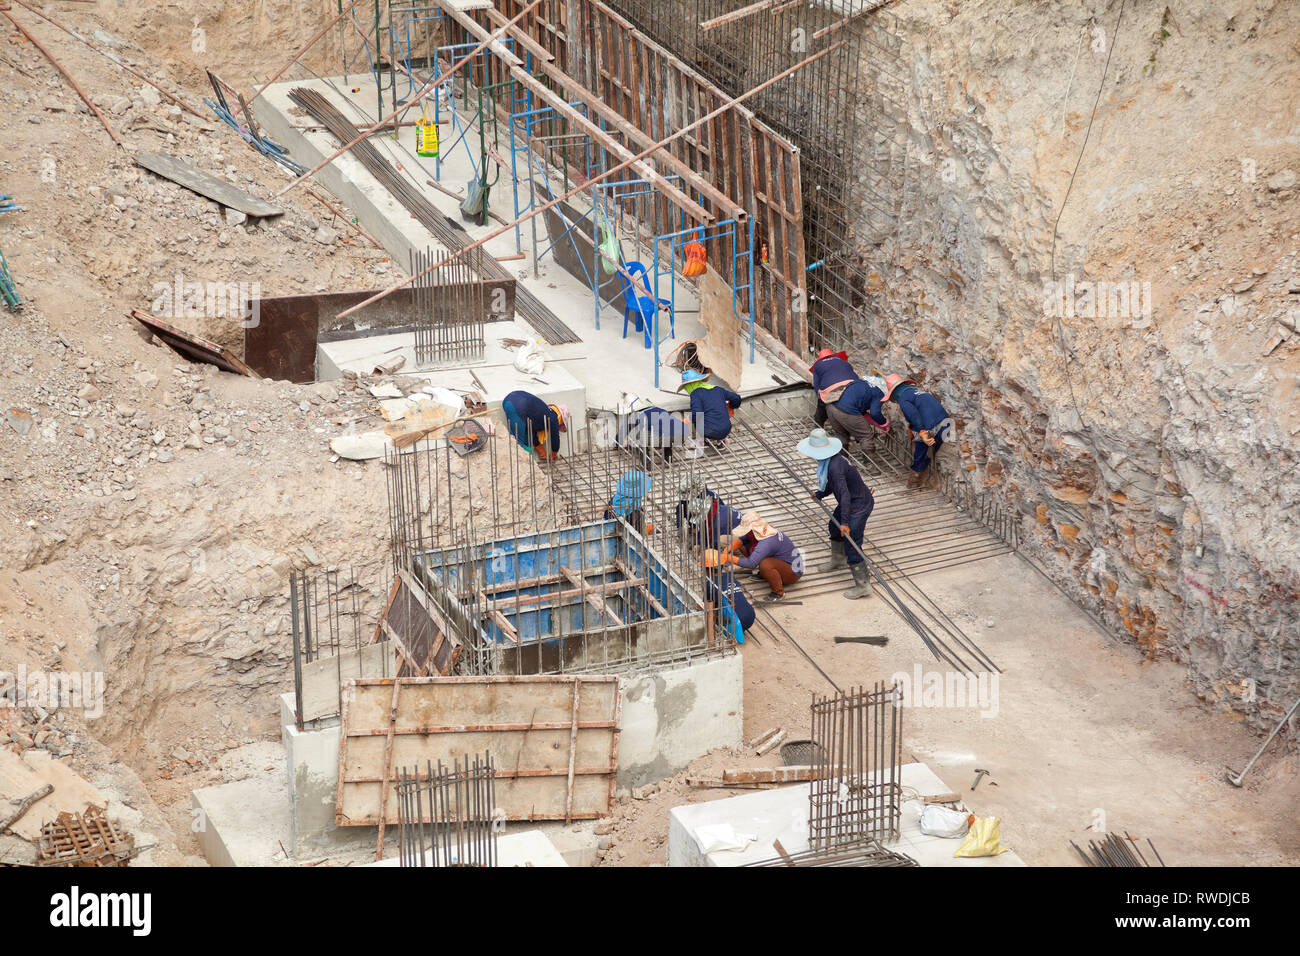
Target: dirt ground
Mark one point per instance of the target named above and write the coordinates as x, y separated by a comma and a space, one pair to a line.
1080, 729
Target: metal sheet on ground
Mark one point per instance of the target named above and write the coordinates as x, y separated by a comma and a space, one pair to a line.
218, 190
192, 347
532, 726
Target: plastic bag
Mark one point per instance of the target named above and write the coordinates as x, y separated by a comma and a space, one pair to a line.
530, 359
944, 822
984, 839
722, 836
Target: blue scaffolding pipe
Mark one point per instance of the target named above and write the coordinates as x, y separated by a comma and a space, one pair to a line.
529, 117
456, 123
603, 195
742, 272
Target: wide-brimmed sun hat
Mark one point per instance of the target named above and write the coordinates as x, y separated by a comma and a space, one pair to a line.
562, 413
690, 376
820, 445
892, 382
755, 523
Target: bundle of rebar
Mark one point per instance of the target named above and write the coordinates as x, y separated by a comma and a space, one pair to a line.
449, 234
446, 815
1116, 851
8, 287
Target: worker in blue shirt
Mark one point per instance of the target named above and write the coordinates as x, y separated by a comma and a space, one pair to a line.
535, 424
853, 505
629, 500
705, 519
857, 414
646, 428
711, 405
831, 373
927, 419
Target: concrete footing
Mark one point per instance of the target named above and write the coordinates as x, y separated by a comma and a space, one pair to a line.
782, 814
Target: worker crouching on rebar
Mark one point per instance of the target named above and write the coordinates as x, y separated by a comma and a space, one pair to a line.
853, 504
649, 430
927, 420
535, 424
628, 500
711, 405
769, 553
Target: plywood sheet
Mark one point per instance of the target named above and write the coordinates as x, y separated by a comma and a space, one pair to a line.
323, 680
721, 348
526, 723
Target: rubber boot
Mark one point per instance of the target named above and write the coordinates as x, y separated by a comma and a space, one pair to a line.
861, 583
837, 559
914, 480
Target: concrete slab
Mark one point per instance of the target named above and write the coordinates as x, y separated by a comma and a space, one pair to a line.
782, 814
526, 848
606, 363
244, 823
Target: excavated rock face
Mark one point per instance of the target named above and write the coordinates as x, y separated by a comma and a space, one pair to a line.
1130, 388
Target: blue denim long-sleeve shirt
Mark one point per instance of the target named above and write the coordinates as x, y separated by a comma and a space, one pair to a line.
850, 491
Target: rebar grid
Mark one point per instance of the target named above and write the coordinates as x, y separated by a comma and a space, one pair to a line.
328, 619
911, 531
870, 853
603, 594
855, 792
445, 817
449, 306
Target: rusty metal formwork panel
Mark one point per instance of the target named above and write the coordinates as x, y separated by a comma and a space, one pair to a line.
554, 738
85, 839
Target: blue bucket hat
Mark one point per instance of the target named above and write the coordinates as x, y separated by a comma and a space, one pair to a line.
819, 445
629, 492
690, 376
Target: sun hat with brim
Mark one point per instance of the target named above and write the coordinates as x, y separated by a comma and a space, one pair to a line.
562, 413
892, 382
690, 377
827, 353
819, 445
751, 522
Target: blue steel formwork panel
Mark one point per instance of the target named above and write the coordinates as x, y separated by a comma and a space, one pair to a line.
536, 560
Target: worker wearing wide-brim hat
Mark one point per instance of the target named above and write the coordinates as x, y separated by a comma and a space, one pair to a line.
711, 405
629, 500
926, 417
535, 424
853, 505
767, 552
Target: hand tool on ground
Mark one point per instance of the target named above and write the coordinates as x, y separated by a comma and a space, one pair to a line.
979, 775
877, 640
1237, 779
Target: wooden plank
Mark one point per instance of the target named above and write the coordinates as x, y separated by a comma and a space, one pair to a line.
388, 763
528, 600
573, 753
591, 597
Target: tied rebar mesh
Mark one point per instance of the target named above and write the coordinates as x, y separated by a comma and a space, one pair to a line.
446, 816
870, 853
856, 793
449, 305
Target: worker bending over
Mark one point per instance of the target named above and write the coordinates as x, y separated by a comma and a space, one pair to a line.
853, 504
927, 420
723, 592
629, 499
711, 405
831, 372
534, 424
646, 428
769, 553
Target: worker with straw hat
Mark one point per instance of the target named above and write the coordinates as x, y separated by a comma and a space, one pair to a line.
769, 553
853, 504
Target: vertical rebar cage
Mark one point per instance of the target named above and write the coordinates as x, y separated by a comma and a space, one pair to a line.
445, 816
856, 794
449, 306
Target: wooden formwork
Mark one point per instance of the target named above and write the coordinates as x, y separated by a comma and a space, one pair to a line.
554, 740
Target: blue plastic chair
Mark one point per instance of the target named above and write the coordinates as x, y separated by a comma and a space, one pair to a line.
642, 305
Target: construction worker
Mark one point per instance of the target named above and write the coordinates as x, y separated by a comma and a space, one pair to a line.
857, 414
711, 405
723, 591
646, 428
769, 553
831, 372
629, 497
926, 419
535, 424
705, 519
853, 504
